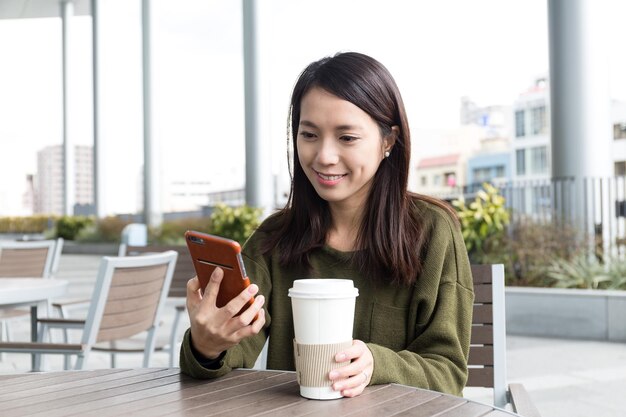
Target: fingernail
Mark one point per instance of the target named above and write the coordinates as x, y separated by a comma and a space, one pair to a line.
252, 289
341, 357
333, 374
260, 299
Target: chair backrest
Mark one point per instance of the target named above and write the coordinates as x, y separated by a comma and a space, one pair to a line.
487, 357
58, 249
184, 265
128, 296
26, 259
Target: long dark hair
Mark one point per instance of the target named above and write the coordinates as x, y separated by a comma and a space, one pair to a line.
391, 236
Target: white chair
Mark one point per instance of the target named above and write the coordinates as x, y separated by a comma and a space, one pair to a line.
36, 259
127, 300
487, 356
178, 290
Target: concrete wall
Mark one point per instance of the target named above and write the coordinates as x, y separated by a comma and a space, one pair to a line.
567, 313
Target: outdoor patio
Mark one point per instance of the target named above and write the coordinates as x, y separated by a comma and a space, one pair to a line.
564, 377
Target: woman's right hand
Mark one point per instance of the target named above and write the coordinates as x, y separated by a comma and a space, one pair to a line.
213, 329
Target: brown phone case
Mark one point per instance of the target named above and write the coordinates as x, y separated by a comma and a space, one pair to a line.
208, 252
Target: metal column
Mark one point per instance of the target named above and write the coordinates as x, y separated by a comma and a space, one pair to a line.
98, 165
152, 197
259, 179
69, 181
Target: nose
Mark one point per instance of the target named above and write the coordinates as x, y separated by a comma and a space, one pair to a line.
327, 153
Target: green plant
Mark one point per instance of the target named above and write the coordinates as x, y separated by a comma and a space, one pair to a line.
587, 272
107, 229
482, 220
580, 272
235, 223
172, 232
68, 227
27, 224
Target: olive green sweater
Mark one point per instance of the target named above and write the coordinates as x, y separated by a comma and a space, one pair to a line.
418, 335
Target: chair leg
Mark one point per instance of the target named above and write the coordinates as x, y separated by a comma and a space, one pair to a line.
173, 343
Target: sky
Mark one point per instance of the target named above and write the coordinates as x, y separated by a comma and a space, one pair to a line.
488, 50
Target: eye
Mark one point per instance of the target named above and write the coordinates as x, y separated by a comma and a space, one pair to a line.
348, 139
306, 135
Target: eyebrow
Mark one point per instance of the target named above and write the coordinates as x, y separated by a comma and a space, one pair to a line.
340, 127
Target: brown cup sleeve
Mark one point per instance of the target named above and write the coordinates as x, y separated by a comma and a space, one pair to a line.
314, 362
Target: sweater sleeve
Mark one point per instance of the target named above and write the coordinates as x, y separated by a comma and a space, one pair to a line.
436, 358
244, 354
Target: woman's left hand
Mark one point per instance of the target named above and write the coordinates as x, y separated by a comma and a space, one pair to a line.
352, 379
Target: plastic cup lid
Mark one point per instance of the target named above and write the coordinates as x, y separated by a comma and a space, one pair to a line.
323, 288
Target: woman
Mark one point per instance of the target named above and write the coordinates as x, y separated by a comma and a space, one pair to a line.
349, 216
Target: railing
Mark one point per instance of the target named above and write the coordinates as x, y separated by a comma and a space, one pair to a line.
594, 206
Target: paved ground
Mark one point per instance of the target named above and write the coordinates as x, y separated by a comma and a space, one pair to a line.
570, 378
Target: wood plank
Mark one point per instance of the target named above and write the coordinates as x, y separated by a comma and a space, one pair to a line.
483, 293
483, 314
187, 388
481, 274
101, 399
371, 396
468, 409
28, 382
46, 399
220, 397
482, 335
285, 396
480, 355
480, 377
316, 407
409, 399
437, 406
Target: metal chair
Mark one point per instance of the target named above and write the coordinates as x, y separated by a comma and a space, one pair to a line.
38, 259
178, 290
487, 356
127, 300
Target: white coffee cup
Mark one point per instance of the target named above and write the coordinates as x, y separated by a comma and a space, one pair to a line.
323, 319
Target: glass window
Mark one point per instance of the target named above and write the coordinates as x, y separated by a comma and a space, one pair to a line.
619, 131
500, 171
539, 160
519, 124
520, 159
424, 180
538, 120
482, 175
620, 168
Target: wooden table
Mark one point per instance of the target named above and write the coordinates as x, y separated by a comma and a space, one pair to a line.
20, 292
167, 392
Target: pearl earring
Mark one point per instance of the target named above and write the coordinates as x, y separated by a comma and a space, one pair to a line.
387, 153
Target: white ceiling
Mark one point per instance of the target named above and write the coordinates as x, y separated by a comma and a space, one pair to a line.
26, 9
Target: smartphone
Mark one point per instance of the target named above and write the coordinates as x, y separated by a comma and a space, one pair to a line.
208, 252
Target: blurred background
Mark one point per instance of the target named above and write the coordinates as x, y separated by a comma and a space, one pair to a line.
464, 68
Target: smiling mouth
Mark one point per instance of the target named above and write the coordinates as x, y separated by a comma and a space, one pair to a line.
330, 177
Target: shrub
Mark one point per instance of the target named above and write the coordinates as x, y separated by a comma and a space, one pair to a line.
28, 224
68, 227
483, 220
236, 223
529, 248
107, 229
172, 232
587, 272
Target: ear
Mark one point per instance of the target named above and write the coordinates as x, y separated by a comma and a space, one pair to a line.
390, 139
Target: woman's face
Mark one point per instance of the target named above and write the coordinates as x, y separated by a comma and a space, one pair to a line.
339, 147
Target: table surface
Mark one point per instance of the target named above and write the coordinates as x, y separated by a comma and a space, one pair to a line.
16, 292
165, 391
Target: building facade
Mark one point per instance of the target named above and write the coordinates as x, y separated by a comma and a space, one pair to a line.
48, 184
